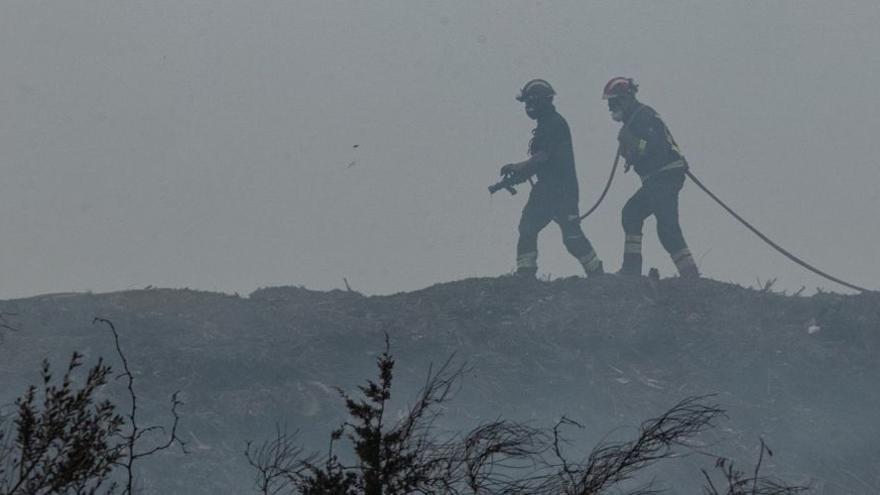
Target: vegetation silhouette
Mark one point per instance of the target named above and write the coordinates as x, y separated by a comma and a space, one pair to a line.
63, 440
408, 456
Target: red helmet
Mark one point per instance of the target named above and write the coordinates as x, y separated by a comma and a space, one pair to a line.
620, 86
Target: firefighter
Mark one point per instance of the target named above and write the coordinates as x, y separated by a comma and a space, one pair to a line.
648, 147
554, 197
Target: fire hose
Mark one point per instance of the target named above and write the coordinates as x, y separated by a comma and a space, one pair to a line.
735, 215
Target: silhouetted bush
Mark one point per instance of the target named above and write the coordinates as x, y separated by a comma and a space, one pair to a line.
501, 457
62, 440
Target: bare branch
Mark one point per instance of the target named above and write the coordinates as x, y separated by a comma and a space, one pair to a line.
278, 463
740, 484
609, 464
135, 433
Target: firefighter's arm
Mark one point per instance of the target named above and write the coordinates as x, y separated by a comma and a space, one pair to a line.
644, 137
526, 168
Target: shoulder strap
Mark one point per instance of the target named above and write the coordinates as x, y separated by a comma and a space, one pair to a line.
635, 113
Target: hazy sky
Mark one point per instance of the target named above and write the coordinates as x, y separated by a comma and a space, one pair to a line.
207, 144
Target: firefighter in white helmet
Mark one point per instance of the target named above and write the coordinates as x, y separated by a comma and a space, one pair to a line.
555, 195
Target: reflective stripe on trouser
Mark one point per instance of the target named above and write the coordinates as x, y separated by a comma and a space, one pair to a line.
539, 211
632, 244
665, 168
527, 261
590, 262
658, 197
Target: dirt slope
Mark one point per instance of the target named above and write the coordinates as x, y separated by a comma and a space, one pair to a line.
801, 372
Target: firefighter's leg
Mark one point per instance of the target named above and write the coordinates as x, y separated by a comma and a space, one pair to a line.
577, 243
669, 230
535, 216
635, 211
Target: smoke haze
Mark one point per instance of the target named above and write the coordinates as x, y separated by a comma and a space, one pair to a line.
212, 144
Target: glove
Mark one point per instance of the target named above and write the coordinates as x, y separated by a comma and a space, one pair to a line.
511, 169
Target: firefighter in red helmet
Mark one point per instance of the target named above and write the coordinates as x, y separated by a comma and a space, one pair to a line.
648, 147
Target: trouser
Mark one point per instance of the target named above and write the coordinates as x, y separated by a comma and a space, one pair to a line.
658, 196
538, 212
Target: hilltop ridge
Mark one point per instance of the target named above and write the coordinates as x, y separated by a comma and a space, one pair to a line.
800, 372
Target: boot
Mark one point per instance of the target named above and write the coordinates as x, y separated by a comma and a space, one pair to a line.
527, 265
528, 273
684, 262
632, 265
596, 272
690, 271
592, 264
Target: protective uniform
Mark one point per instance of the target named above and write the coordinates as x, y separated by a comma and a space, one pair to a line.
555, 195
648, 147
